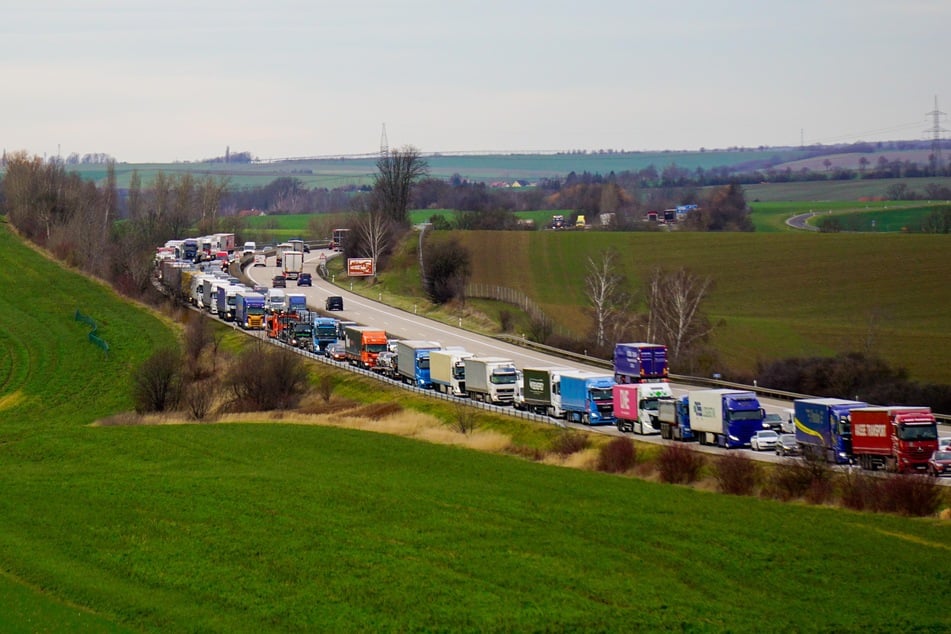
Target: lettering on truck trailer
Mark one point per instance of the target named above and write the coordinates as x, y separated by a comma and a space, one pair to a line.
871, 431
537, 385
703, 412
624, 399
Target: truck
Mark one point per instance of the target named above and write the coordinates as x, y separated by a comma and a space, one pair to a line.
325, 332
447, 370
249, 310
275, 301
296, 303
363, 344
223, 242
635, 406
541, 390
412, 361
673, 414
293, 264
586, 397
190, 249
897, 438
640, 362
823, 427
226, 300
259, 258
491, 379
724, 417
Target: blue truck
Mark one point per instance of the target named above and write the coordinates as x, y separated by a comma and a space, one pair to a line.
823, 427
724, 417
674, 417
249, 310
325, 332
412, 361
587, 397
640, 362
296, 303
190, 249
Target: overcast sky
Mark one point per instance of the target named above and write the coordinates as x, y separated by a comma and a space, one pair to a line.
169, 80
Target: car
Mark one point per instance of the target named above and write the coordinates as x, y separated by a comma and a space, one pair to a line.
336, 351
940, 464
944, 443
774, 422
304, 279
279, 281
764, 439
259, 288
334, 302
786, 445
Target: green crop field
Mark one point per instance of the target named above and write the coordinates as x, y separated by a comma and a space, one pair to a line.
774, 294
277, 527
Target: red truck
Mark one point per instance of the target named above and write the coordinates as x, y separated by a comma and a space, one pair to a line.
897, 438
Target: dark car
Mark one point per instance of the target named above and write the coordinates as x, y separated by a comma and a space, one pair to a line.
279, 281
304, 279
786, 445
336, 351
940, 464
334, 302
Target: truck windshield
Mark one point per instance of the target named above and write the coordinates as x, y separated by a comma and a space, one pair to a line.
844, 426
376, 347
918, 432
504, 378
423, 363
255, 310
459, 372
752, 414
600, 393
649, 404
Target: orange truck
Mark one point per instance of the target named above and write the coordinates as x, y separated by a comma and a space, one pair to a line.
364, 344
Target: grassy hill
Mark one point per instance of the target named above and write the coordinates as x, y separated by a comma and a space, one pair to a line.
275, 527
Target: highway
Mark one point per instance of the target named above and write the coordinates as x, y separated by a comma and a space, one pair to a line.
404, 325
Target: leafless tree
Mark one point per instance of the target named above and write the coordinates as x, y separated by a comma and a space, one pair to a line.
397, 171
156, 384
210, 192
376, 232
605, 289
674, 316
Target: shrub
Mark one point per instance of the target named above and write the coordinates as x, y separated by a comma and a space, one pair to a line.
618, 456
325, 386
378, 411
858, 491
915, 495
677, 464
264, 378
157, 383
735, 474
569, 442
463, 419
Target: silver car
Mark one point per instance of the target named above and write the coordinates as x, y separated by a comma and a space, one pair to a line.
764, 439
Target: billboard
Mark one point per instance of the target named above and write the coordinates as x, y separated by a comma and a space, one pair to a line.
360, 267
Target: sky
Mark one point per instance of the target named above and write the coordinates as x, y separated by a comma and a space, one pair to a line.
182, 80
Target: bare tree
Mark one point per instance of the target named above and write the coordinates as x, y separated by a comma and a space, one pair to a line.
398, 170
674, 316
376, 231
605, 289
156, 384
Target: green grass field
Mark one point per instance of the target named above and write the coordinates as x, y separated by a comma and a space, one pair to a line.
777, 295
278, 527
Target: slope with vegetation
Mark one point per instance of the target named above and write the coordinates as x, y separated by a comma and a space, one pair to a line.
280, 526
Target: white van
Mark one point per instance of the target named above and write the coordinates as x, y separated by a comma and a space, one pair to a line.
249, 248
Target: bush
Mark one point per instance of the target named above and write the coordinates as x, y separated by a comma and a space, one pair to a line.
914, 495
157, 383
618, 456
736, 474
809, 477
463, 419
265, 377
859, 491
569, 442
677, 464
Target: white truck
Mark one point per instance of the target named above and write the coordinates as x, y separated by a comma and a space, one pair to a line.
275, 301
491, 379
540, 391
725, 417
447, 370
636, 406
293, 264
